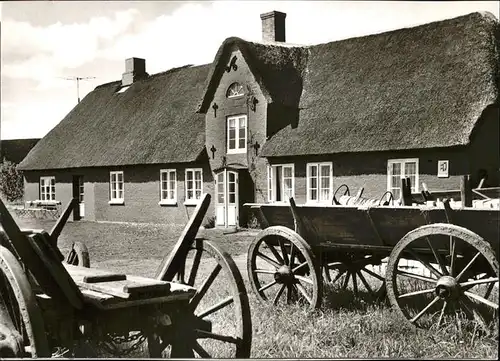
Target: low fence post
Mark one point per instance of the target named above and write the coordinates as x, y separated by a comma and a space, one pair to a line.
465, 191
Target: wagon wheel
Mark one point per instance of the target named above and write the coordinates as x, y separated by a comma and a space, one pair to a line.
79, 255
346, 192
387, 202
221, 325
283, 268
461, 277
356, 274
22, 330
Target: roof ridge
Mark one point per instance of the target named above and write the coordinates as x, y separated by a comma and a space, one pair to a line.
484, 14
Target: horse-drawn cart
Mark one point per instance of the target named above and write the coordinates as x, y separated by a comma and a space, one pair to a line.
195, 306
453, 253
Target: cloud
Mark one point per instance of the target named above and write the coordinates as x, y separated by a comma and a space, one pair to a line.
33, 121
191, 34
48, 50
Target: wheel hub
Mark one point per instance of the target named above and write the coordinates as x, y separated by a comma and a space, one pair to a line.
283, 275
447, 288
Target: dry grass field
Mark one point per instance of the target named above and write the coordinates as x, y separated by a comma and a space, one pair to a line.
345, 326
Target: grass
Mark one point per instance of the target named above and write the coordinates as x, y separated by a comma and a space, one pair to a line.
345, 326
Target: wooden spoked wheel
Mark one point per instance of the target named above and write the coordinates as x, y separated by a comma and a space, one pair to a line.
346, 192
283, 269
221, 324
454, 277
79, 255
389, 199
22, 330
355, 272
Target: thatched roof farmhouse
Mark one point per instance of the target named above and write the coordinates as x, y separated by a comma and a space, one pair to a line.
271, 116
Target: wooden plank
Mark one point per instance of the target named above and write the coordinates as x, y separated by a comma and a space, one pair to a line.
171, 263
465, 191
44, 268
125, 286
260, 216
63, 281
55, 232
104, 278
79, 274
128, 288
48, 242
103, 301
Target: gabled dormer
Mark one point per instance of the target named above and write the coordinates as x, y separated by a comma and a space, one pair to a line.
251, 90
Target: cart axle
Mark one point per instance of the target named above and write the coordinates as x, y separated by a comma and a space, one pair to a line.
283, 275
447, 288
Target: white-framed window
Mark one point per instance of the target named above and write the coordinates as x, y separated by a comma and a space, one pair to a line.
48, 188
319, 182
116, 187
168, 186
235, 90
401, 168
194, 184
237, 134
280, 182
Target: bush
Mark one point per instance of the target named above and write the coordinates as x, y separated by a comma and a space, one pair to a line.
11, 181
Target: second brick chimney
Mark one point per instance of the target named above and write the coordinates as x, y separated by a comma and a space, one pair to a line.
135, 69
273, 26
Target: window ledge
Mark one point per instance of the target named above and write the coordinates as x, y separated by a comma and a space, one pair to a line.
236, 151
117, 202
320, 203
191, 202
167, 203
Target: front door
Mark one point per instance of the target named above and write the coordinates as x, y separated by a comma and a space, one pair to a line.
78, 194
226, 205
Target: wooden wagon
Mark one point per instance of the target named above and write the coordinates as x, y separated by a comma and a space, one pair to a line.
196, 305
442, 262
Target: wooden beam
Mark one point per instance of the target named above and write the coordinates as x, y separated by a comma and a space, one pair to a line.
171, 263
260, 216
297, 220
55, 232
465, 191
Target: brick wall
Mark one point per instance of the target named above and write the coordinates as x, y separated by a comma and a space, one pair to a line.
142, 193
369, 170
216, 122
216, 130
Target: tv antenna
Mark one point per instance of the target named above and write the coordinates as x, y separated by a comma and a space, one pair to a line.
78, 78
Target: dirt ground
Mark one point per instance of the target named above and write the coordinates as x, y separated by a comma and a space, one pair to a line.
137, 248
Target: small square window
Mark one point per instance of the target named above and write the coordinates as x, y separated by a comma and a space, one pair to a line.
47, 188
116, 187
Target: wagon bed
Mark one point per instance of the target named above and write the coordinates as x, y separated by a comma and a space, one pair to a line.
376, 225
300, 246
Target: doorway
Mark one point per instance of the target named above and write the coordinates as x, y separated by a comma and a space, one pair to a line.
226, 198
78, 193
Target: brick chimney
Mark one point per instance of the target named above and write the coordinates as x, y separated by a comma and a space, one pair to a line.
273, 26
135, 69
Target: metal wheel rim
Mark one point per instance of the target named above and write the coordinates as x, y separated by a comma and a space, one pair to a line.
242, 337
357, 278
282, 290
460, 299
30, 313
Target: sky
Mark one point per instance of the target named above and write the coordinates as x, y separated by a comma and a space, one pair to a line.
46, 44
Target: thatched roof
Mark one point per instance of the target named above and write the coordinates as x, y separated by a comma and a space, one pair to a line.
153, 121
276, 68
14, 150
414, 88
420, 87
